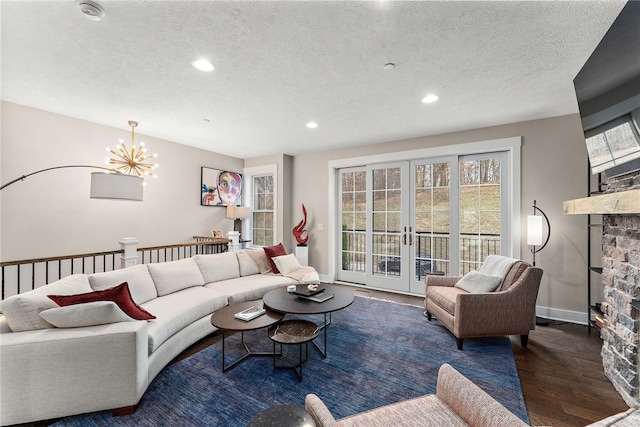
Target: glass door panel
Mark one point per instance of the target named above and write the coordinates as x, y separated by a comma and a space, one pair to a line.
431, 208
353, 217
389, 227
481, 216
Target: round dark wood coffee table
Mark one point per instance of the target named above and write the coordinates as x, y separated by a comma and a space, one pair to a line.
284, 302
224, 320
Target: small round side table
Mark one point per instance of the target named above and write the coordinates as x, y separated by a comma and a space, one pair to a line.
282, 416
295, 331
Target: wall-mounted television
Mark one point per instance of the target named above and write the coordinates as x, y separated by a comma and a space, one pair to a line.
608, 93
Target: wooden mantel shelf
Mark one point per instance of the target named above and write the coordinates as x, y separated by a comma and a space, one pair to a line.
624, 202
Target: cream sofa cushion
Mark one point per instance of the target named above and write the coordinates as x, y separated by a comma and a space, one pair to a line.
173, 276
86, 314
22, 311
247, 264
218, 267
140, 282
261, 259
250, 288
178, 310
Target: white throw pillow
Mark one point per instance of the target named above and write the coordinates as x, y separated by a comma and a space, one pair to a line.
87, 314
22, 311
286, 263
172, 276
476, 283
140, 282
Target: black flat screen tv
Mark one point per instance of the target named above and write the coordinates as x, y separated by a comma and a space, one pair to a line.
608, 93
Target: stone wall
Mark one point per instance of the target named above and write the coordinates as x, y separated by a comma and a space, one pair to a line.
621, 280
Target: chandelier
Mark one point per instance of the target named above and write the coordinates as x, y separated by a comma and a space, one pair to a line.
132, 161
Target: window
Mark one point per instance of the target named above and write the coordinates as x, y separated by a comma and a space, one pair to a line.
614, 143
263, 211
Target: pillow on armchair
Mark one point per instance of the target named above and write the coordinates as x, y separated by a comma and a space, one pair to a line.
476, 283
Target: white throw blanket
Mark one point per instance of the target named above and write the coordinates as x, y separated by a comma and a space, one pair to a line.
305, 275
497, 265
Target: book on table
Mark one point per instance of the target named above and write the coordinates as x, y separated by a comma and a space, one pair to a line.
319, 297
304, 291
250, 313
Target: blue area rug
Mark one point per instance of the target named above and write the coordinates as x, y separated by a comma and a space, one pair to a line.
379, 352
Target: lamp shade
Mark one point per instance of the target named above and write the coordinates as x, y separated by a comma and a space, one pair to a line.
534, 230
116, 186
237, 212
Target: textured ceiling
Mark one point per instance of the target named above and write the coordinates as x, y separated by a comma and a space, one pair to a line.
280, 65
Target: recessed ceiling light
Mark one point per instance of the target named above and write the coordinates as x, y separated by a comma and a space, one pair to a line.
312, 125
430, 98
389, 66
203, 65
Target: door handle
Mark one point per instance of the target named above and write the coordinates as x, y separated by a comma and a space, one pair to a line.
410, 236
404, 236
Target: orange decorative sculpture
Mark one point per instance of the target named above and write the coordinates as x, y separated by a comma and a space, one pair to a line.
299, 232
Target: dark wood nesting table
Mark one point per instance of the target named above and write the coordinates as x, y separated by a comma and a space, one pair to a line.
224, 320
281, 301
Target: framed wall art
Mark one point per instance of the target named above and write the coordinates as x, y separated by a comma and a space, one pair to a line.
217, 234
220, 187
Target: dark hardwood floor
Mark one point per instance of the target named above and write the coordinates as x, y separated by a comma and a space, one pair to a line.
560, 371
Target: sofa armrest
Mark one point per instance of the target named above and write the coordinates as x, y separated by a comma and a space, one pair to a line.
51, 373
319, 411
472, 403
441, 280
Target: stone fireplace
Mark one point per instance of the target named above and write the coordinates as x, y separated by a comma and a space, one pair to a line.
621, 280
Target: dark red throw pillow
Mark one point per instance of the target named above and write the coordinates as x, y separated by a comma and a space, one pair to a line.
119, 294
272, 252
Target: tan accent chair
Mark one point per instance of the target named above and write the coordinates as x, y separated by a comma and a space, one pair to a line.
457, 402
508, 311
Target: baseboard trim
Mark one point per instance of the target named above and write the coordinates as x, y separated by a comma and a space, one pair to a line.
551, 313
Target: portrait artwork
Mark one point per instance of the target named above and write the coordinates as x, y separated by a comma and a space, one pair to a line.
220, 188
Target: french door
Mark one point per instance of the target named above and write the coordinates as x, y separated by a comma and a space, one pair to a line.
401, 221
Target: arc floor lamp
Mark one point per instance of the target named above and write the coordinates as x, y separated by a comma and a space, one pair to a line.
112, 185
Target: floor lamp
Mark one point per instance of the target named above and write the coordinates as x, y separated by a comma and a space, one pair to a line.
113, 185
535, 236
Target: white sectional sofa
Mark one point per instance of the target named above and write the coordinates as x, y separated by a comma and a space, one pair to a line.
48, 372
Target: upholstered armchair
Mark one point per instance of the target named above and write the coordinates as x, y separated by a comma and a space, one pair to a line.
472, 311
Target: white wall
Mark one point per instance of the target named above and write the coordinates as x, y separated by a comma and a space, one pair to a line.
50, 214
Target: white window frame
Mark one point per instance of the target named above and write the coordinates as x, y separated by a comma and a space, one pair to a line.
511, 145
249, 174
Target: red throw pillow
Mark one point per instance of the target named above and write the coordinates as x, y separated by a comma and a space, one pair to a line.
272, 252
119, 294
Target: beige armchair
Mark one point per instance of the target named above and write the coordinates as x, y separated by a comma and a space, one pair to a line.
457, 402
509, 310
